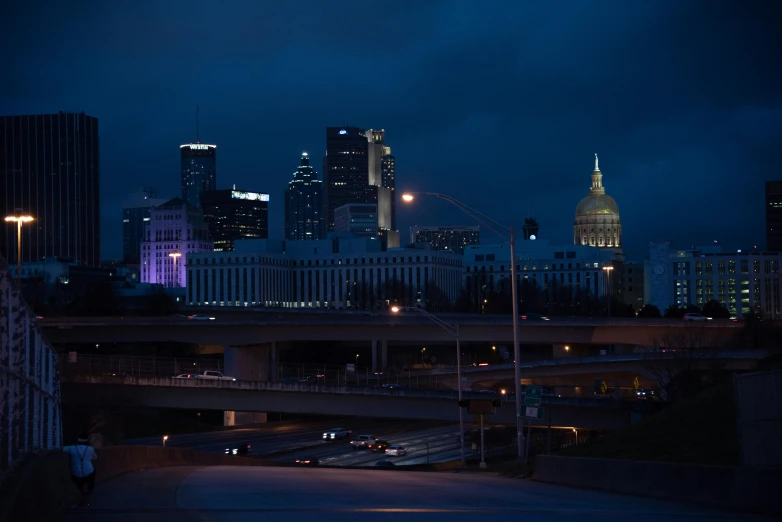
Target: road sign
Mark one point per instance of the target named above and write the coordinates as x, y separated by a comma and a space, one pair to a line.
533, 412
636, 383
533, 395
603, 387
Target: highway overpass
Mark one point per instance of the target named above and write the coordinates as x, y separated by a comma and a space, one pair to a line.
247, 329
254, 396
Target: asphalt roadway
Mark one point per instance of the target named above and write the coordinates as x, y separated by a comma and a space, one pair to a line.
244, 494
287, 437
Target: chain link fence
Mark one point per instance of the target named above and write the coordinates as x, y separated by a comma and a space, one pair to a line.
759, 417
30, 412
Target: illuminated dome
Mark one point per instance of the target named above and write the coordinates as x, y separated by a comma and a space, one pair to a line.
597, 220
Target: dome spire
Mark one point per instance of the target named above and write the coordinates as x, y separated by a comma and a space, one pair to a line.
597, 180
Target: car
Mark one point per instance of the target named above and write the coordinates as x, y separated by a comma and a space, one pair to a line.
392, 386
378, 445
694, 316
336, 433
200, 317
307, 461
396, 451
215, 375
488, 393
384, 464
362, 441
533, 317
187, 376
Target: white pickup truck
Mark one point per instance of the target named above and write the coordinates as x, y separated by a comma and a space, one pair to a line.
362, 441
208, 374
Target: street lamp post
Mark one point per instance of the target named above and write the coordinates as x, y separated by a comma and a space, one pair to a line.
20, 220
608, 287
175, 255
453, 330
494, 226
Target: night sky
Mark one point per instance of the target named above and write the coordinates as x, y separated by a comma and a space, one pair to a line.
499, 104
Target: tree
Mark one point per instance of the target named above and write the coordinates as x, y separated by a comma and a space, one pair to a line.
715, 310
674, 312
159, 303
649, 311
677, 360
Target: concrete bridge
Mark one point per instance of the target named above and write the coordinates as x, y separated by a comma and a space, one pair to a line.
254, 328
254, 396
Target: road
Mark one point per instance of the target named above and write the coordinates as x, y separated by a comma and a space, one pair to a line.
288, 436
443, 447
244, 494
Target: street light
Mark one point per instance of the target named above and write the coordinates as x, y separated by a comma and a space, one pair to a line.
610, 293
20, 220
496, 227
165, 438
453, 330
175, 255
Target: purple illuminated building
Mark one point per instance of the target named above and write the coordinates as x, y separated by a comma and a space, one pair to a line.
175, 230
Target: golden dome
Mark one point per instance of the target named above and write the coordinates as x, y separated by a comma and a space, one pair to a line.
597, 204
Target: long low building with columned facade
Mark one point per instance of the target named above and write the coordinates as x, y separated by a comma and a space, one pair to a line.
340, 273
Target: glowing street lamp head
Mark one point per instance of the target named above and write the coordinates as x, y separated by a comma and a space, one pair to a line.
23, 219
407, 197
175, 254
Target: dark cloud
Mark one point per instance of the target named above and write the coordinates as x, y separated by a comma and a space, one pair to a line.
500, 104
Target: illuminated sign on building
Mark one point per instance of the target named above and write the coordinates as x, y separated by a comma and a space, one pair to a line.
252, 196
343, 131
198, 146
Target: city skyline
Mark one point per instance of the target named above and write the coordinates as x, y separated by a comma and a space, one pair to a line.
515, 116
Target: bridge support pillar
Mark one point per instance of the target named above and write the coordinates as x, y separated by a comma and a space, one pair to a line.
249, 363
374, 357
383, 356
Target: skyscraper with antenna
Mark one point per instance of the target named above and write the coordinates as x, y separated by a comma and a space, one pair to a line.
199, 168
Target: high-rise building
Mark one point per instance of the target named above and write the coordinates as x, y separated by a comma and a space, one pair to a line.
356, 219
359, 168
199, 171
235, 214
447, 238
135, 218
774, 216
175, 229
304, 204
50, 170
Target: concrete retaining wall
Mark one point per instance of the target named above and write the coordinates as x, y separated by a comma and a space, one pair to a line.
41, 488
746, 489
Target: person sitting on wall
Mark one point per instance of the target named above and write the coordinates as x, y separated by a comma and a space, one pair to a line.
82, 470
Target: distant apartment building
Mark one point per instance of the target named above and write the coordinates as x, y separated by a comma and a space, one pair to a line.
135, 218
774, 216
580, 268
235, 214
452, 238
50, 171
356, 219
740, 281
175, 230
344, 273
632, 283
